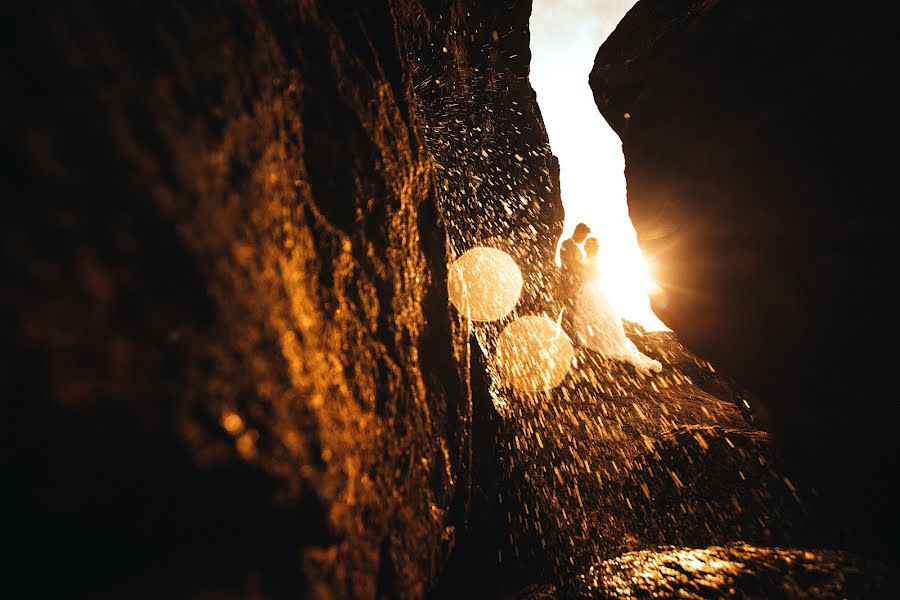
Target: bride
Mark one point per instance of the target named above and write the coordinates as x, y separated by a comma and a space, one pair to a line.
595, 323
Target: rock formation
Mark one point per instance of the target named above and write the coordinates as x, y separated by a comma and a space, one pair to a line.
228, 365
759, 144
664, 478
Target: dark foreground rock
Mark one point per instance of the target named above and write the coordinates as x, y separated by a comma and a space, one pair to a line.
228, 366
760, 150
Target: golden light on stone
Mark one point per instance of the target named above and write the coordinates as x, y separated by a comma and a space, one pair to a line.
533, 354
484, 284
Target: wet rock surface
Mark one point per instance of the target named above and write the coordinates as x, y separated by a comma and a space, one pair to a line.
759, 152
736, 571
611, 479
618, 485
611, 461
228, 363
227, 354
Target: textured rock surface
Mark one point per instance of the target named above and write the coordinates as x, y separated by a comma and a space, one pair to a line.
609, 466
759, 143
227, 362
734, 571
611, 462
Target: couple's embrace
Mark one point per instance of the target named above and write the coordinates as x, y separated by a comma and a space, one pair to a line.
587, 313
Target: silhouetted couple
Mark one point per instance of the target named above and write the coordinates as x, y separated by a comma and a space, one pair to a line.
587, 313
578, 255
575, 261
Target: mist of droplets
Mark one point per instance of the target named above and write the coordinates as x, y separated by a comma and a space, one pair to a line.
598, 460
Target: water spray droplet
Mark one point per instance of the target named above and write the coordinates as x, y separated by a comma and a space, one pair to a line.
484, 284
533, 354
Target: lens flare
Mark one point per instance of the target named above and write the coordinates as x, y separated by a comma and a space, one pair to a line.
533, 354
484, 284
627, 280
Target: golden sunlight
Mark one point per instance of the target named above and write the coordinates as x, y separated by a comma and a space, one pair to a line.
565, 36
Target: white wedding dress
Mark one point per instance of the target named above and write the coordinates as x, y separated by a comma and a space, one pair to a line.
597, 326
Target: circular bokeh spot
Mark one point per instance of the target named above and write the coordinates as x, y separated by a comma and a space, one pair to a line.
484, 284
533, 354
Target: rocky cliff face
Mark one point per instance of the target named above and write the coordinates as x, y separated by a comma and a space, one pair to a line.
760, 155
228, 363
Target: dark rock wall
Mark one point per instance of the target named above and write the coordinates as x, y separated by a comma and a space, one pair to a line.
497, 179
760, 149
228, 366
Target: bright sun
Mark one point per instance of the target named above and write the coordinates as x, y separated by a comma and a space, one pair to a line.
628, 284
